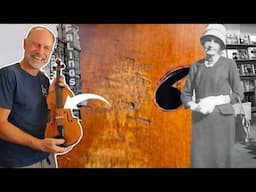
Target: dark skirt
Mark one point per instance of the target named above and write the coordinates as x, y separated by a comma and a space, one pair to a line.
213, 138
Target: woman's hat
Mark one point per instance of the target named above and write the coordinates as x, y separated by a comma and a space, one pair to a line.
215, 30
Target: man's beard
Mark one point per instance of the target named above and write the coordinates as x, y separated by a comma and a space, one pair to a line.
36, 64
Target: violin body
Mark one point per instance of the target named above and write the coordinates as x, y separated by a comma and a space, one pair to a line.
62, 123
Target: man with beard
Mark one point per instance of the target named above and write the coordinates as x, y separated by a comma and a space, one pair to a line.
23, 106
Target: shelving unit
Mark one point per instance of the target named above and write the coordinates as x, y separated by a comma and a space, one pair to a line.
245, 57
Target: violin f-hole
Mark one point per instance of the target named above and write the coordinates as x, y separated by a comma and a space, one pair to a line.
166, 96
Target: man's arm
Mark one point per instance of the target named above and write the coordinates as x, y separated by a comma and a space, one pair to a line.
13, 134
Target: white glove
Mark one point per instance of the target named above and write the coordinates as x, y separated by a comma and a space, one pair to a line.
193, 106
208, 104
222, 99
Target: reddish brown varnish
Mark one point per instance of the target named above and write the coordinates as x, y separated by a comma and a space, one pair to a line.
62, 123
124, 63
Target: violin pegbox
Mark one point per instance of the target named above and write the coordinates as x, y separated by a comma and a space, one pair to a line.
59, 65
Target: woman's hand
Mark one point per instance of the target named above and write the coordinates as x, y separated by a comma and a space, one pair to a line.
194, 106
208, 104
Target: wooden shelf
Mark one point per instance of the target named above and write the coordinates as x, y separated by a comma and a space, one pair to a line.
249, 95
241, 61
234, 46
253, 109
247, 77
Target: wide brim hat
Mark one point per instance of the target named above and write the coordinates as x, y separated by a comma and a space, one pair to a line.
217, 31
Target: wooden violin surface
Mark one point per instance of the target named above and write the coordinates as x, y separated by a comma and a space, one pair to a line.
62, 123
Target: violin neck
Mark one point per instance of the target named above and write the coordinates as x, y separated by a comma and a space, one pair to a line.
58, 90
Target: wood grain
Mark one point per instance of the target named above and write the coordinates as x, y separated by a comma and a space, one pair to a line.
124, 63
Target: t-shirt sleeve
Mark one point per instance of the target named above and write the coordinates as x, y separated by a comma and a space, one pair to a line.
7, 88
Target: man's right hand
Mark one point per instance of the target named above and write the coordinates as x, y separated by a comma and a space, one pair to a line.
52, 145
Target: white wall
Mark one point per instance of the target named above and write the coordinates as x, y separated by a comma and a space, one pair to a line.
241, 28
11, 38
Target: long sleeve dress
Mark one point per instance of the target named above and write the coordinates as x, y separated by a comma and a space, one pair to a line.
213, 134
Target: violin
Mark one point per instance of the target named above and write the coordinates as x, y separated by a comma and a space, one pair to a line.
62, 123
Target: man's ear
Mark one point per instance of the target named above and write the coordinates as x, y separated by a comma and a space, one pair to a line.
24, 43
